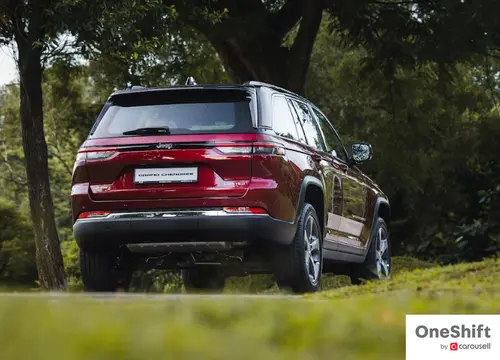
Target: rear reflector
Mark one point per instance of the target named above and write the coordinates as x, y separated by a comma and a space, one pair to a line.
93, 214
245, 210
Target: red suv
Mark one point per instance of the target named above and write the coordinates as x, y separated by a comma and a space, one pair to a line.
224, 180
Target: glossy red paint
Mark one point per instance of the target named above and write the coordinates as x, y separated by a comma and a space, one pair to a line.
268, 181
152, 139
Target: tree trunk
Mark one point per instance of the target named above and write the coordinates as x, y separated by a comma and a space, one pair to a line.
250, 40
48, 252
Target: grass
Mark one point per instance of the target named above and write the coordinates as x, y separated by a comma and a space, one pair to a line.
472, 279
265, 284
350, 322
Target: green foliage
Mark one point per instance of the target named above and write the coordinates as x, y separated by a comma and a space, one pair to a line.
414, 33
356, 321
434, 125
70, 110
170, 282
73, 97
70, 252
406, 264
471, 279
186, 53
481, 237
17, 247
266, 284
156, 281
434, 137
251, 284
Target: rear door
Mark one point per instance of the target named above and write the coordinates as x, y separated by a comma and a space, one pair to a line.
321, 158
346, 221
191, 143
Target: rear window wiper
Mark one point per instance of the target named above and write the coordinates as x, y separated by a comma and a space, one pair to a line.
148, 131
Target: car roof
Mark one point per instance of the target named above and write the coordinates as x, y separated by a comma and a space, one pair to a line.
142, 89
244, 86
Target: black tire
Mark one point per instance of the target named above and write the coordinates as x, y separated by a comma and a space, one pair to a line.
372, 268
291, 271
203, 280
99, 272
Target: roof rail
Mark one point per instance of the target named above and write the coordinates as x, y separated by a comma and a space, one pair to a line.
275, 87
191, 81
133, 87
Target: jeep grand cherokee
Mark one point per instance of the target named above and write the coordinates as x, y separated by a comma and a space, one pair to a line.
224, 180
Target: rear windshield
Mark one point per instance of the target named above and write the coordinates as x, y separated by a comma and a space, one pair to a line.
181, 111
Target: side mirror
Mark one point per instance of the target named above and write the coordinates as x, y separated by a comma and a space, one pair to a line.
361, 152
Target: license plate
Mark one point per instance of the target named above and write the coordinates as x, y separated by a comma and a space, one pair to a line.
166, 175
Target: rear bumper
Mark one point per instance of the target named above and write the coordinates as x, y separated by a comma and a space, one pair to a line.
206, 225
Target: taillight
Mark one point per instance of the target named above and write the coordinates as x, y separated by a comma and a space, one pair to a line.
268, 149
84, 156
257, 148
93, 214
80, 160
245, 210
235, 150
99, 155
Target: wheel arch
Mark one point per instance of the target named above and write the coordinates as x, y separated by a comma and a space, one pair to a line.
382, 210
312, 192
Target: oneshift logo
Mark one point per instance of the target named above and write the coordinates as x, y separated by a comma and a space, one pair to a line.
456, 331
452, 337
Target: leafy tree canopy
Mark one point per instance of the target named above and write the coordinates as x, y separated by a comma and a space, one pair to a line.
272, 40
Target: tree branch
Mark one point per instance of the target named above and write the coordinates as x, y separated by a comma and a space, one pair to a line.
61, 160
286, 18
408, 2
242, 7
16, 13
302, 47
60, 51
36, 20
13, 176
232, 59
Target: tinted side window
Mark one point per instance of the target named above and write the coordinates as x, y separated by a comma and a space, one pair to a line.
309, 125
283, 121
302, 137
332, 140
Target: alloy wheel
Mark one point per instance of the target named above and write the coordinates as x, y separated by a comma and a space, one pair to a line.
312, 249
383, 256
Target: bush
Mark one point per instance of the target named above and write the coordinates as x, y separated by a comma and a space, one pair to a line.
156, 281
17, 247
70, 253
481, 237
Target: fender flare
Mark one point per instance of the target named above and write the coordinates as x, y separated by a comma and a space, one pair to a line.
308, 180
380, 202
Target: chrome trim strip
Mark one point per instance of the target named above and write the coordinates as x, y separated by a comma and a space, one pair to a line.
183, 246
170, 214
